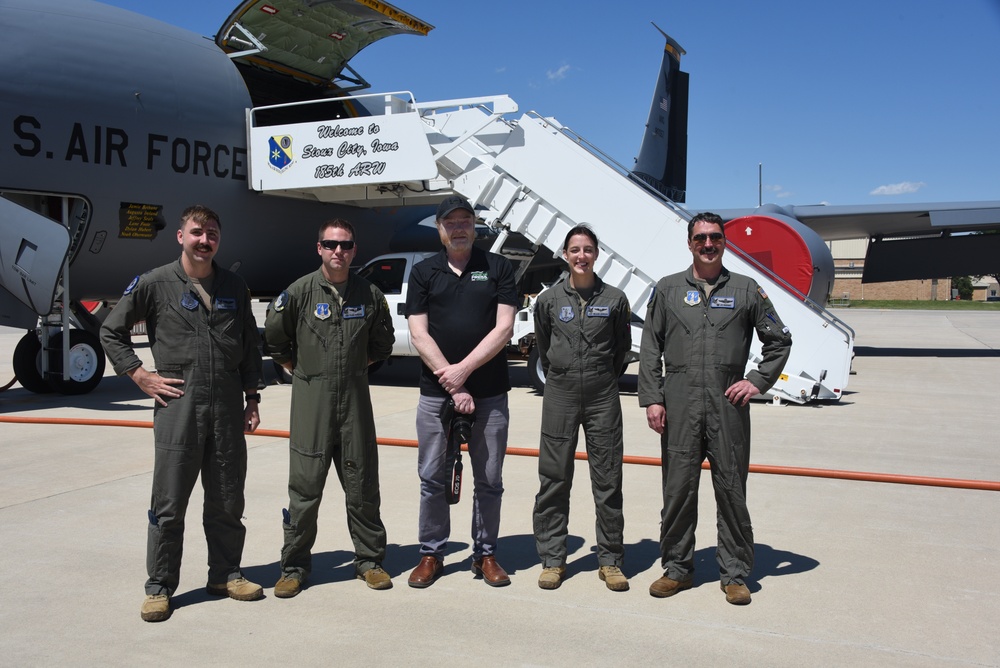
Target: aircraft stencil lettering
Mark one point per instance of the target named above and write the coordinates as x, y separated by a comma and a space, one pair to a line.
109, 146
96, 167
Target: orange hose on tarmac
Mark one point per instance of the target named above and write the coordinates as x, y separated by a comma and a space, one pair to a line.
955, 483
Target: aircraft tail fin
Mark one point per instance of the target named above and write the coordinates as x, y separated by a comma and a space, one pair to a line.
662, 161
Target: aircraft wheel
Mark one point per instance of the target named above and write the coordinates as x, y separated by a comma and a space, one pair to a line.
27, 363
535, 372
86, 362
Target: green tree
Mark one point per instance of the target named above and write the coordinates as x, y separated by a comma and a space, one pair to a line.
964, 286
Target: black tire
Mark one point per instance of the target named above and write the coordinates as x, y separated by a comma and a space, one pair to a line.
27, 363
535, 372
86, 362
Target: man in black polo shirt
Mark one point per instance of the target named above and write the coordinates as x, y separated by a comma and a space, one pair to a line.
460, 309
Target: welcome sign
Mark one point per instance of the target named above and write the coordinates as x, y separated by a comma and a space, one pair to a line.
352, 151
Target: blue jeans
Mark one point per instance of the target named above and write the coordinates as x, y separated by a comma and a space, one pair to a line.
487, 447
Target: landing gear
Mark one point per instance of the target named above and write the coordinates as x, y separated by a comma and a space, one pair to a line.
28, 364
86, 363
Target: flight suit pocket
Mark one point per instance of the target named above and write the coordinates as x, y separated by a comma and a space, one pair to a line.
357, 331
552, 459
227, 337
353, 483
177, 338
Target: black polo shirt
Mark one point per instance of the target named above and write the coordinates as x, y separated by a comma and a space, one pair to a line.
461, 311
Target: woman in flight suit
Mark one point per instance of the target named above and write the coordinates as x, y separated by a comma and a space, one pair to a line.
583, 337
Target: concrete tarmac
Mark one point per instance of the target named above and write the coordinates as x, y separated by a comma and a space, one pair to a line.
847, 573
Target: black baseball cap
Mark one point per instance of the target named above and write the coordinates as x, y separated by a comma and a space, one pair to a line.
452, 203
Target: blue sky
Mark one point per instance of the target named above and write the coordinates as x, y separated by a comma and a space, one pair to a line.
850, 102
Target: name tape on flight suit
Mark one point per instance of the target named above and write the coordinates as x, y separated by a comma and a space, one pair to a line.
723, 302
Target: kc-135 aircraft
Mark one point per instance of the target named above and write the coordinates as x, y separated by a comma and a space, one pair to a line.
111, 123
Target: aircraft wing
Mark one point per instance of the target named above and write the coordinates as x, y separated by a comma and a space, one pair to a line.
907, 241
312, 41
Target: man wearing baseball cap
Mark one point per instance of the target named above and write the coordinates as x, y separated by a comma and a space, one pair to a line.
460, 308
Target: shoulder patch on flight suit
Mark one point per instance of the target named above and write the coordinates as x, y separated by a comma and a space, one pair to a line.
322, 311
761, 291
566, 313
131, 286
480, 276
189, 301
692, 298
723, 302
281, 302
351, 312
598, 311
225, 304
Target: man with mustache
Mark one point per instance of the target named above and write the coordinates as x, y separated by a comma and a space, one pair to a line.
206, 349
695, 343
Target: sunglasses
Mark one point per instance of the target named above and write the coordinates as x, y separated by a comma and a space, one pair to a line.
332, 244
702, 238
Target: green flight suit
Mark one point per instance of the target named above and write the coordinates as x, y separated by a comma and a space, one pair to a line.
694, 347
217, 353
582, 349
331, 416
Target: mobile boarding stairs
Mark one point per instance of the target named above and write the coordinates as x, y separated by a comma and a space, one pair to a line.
530, 176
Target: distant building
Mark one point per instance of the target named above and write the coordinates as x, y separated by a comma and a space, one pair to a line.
986, 289
849, 264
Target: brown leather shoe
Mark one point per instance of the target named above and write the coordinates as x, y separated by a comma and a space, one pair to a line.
426, 572
665, 587
492, 573
736, 593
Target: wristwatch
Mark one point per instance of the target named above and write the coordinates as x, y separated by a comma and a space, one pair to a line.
254, 397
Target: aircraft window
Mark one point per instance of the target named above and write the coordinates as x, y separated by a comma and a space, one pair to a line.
387, 275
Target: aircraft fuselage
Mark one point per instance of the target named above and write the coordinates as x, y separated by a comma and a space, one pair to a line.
136, 120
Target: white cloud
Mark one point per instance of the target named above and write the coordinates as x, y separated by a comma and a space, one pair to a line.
557, 75
904, 188
779, 192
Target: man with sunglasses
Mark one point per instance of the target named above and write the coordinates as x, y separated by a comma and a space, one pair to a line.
325, 329
695, 344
